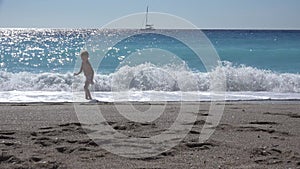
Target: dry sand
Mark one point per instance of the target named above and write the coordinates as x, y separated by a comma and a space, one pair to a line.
249, 135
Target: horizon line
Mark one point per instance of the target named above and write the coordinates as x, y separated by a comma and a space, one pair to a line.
66, 28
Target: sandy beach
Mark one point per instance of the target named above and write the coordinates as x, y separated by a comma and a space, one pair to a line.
250, 135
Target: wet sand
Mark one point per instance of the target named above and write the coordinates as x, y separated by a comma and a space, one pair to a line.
249, 135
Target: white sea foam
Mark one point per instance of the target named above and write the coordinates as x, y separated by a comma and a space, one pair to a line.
140, 96
148, 77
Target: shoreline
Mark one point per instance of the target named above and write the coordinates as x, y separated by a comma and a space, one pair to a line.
266, 101
28, 97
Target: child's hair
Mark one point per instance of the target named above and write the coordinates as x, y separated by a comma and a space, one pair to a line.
84, 53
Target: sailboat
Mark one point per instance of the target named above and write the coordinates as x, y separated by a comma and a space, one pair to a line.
147, 25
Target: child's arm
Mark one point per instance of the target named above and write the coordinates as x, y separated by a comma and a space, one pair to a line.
75, 74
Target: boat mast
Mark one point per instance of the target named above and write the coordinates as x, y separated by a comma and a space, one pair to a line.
147, 16
147, 25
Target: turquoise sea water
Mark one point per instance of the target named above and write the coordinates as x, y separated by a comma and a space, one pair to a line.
278, 51
54, 50
253, 61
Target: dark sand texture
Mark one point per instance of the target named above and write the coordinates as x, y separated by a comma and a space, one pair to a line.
249, 135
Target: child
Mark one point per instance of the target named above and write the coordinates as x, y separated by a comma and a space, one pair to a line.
88, 73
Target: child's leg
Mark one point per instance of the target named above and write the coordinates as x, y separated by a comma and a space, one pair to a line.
87, 91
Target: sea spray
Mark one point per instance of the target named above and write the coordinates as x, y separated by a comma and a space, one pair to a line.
148, 77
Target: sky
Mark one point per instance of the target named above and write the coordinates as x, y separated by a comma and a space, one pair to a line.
205, 14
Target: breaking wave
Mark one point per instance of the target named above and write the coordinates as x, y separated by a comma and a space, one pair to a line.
148, 77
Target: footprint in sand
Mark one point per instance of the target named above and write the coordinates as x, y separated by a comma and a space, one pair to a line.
263, 123
7, 158
290, 114
7, 135
265, 130
271, 155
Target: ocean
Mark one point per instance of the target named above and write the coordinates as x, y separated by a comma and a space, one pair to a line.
37, 65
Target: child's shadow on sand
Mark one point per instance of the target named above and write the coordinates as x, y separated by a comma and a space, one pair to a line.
94, 101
